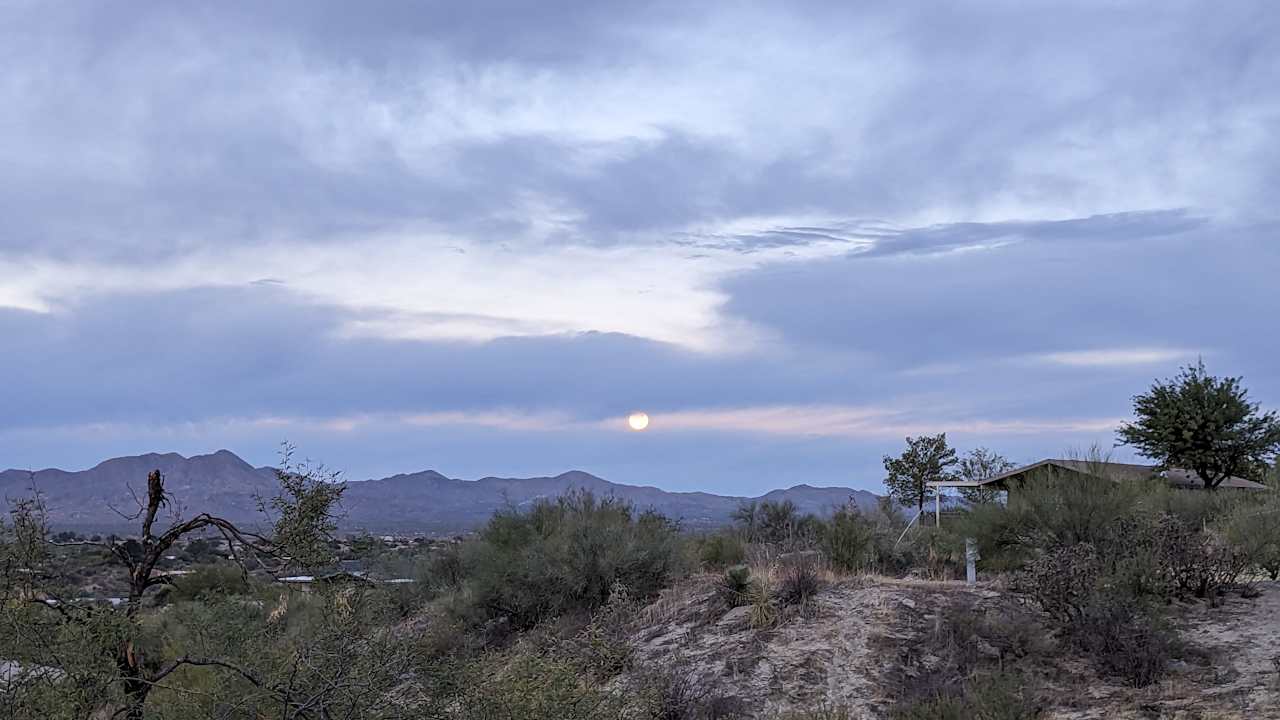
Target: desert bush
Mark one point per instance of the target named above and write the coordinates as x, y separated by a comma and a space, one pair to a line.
982, 697
733, 587
1144, 538
1125, 639
799, 581
779, 523
444, 569
1063, 582
958, 670
559, 669
567, 555
1000, 535
1253, 529
1195, 508
972, 639
525, 684
848, 540
442, 634
1048, 511
854, 540
1183, 557
1101, 616
670, 693
209, 581
602, 646
938, 552
722, 549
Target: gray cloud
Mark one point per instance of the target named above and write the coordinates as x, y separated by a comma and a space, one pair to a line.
180, 126
876, 239
1134, 285
261, 351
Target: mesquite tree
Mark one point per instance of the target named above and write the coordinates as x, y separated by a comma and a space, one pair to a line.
38, 612
1202, 423
982, 464
927, 459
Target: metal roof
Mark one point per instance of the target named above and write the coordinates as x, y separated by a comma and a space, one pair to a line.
1118, 472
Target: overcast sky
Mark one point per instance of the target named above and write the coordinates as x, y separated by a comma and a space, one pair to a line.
475, 236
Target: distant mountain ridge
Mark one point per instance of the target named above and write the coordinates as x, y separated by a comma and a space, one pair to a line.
221, 483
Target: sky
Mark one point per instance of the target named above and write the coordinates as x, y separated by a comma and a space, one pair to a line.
474, 236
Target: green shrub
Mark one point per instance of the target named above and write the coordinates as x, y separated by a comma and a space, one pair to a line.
602, 645
722, 549
209, 581
1127, 640
983, 697
444, 569
1253, 529
525, 684
1047, 511
567, 555
777, 523
1105, 619
1195, 508
848, 539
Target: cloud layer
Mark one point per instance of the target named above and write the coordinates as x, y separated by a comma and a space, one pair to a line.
475, 238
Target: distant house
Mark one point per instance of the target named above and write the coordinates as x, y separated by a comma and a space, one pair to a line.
1087, 469
339, 577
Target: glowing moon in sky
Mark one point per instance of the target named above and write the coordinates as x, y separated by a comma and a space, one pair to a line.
638, 421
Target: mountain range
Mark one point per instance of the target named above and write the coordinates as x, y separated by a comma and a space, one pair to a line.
102, 498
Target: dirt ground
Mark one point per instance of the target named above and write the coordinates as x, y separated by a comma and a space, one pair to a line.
840, 653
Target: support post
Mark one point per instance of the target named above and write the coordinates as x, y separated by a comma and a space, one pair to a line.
971, 560
937, 507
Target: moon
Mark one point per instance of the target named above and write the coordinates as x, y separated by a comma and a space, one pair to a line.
638, 421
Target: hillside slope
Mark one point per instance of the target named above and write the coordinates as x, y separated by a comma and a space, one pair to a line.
867, 641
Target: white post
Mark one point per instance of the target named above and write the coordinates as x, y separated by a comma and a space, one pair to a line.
971, 560
937, 507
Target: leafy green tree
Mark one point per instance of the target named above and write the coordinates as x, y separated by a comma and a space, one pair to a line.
982, 464
927, 459
1202, 423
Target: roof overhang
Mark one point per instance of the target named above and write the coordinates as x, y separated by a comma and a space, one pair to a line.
960, 483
